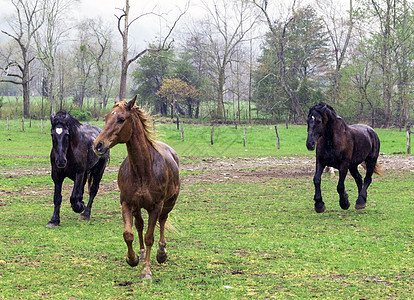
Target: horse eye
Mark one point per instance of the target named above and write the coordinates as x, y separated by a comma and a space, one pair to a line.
120, 121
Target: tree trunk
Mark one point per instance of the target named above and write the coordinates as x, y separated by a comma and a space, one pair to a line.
124, 62
220, 91
26, 89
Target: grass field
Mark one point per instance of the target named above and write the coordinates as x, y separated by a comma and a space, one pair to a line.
244, 224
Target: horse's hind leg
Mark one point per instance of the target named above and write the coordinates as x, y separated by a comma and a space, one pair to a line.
357, 177
162, 244
132, 258
362, 197
93, 187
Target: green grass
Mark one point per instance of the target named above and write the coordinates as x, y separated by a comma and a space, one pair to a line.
233, 239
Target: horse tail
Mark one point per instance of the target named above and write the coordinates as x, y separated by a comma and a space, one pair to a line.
169, 228
90, 181
377, 170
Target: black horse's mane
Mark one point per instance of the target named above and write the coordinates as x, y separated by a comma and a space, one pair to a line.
321, 107
65, 119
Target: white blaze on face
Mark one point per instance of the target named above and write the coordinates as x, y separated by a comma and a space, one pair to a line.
59, 130
313, 118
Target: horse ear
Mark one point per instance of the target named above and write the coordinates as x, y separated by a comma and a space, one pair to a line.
117, 99
131, 103
52, 117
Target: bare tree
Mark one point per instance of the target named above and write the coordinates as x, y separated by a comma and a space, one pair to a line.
124, 24
339, 30
23, 26
48, 41
101, 51
226, 26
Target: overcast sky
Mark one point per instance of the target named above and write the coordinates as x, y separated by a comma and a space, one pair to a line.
147, 28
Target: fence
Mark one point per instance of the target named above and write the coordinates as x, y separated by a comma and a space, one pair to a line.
409, 133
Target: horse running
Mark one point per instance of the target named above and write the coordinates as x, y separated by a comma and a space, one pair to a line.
72, 156
343, 147
148, 178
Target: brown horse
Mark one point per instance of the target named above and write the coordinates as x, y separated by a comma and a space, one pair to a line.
343, 147
148, 178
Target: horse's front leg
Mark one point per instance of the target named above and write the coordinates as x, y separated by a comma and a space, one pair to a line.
149, 241
131, 258
343, 196
57, 201
77, 193
139, 224
319, 205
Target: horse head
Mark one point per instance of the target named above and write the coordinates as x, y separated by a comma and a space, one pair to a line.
318, 118
118, 127
63, 125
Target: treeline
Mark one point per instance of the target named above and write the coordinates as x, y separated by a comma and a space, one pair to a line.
241, 61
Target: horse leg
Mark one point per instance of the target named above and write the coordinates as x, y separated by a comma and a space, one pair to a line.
131, 257
343, 196
57, 201
139, 224
162, 244
319, 205
77, 193
95, 179
362, 197
357, 177
149, 241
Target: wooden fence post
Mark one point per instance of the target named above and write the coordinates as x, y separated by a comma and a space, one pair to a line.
41, 125
244, 136
182, 132
277, 138
212, 134
408, 129
22, 123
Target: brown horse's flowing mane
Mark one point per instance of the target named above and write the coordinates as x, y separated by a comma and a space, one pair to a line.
145, 120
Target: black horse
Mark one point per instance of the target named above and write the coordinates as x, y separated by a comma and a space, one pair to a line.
72, 156
343, 147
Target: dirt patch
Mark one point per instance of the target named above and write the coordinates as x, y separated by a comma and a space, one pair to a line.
239, 169
262, 169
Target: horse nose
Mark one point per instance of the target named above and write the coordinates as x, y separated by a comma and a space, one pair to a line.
310, 145
99, 146
61, 163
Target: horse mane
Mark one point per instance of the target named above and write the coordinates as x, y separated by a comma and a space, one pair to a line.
64, 118
322, 107
145, 120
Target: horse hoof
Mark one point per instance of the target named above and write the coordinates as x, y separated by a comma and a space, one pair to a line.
345, 205
52, 225
79, 207
146, 276
320, 209
359, 206
133, 262
84, 217
161, 256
